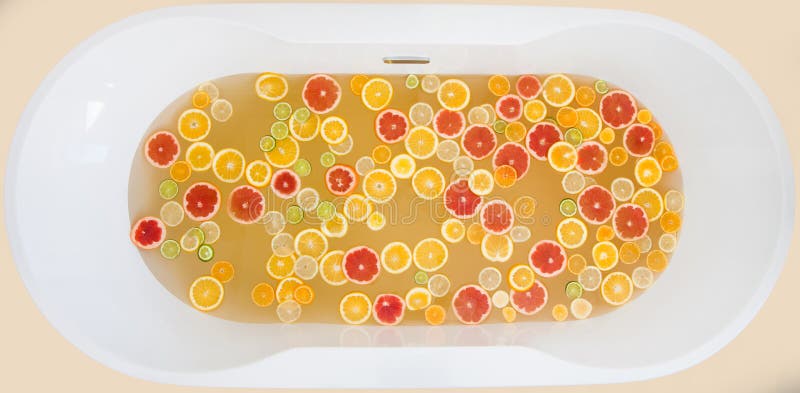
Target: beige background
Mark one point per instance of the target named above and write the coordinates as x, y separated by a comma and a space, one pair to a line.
763, 35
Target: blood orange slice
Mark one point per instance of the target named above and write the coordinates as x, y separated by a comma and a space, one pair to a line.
285, 183
618, 109
388, 309
391, 126
471, 304
361, 265
512, 154
541, 137
639, 140
630, 222
162, 149
148, 233
341, 179
547, 258
528, 87
321, 93
531, 301
509, 107
201, 201
497, 217
596, 204
592, 158
246, 204
460, 201
449, 124
479, 141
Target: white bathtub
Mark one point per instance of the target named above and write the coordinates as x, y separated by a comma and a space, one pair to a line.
67, 210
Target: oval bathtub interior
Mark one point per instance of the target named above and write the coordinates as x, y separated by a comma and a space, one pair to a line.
82, 128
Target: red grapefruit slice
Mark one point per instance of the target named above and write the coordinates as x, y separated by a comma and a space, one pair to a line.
391, 126
246, 204
531, 301
512, 154
528, 87
639, 139
471, 304
509, 107
162, 149
478, 141
361, 265
285, 183
618, 109
449, 124
321, 93
388, 309
201, 201
497, 217
341, 179
596, 204
547, 258
148, 233
592, 158
540, 138
460, 201
630, 222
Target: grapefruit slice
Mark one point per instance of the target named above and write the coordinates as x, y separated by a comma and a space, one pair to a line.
201, 201
148, 233
460, 201
341, 179
285, 183
618, 109
388, 309
471, 304
547, 258
478, 141
528, 87
596, 204
449, 124
246, 204
512, 154
630, 222
639, 140
361, 265
321, 93
162, 149
391, 126
592, 158
540, 138
531, 301
497, 217
509, 107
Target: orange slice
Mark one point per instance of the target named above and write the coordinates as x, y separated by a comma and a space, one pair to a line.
607, 136
376, 221
644, 116
357, 208
396, 257
567, 117
560, 312
330, 268
497, 248
618, 156
418, 298
421, 142
521, 278
194, 125
379, 185
381, 154
357, 83
505, 176
284, 154
228, 165
481, 181
285, 289
558, 90
435, 314
534, 111
280, 267
576, 263
605, 255
669, 163
585, 96
355, 308
180, 171
515, 131
604, 233
200, 99
588, 122
453, 230
657, 261
475, 233
670, 222
647, 172
206, 293
403, 166
453, 94
499, 85
333, 130
336, 227
617, 288
200, 155
562, 156
222, 271
629, 252
262, 294
428, 183
258, 173
430, 254
271, 87
303, 294
650, 200
376, 94
310, 242
307, 130
571, 233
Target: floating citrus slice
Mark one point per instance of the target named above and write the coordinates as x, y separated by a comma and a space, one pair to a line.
303, 294
376, 94
453, 230
403, 166
180, 171
657, 261
618, 156
617, 288
335, 226
221, 110
622, 188
534, 111
567, 117
435, 314
590, 278
673, 201
285, 183
284, 154
396, 257
670, 222
573, 182
592, 158
305, 130
630, 222
246, 204
509, 107
562, 156
388, 309
148, 233
547, 258
310, 242
357, 208
428, 183
528, 86
585, 96
306, 267
331, 270
194, 125
521, 278
576, 263
497, 217
571, 232
475, 233
471, 304
629, 252
341, 149
222, 271
558, 90
262, 294
289, 311
449, 124
228, 165
478, 115
642, 277
618, 109
650, 200
206, 293
596, 204
284, 291
530, 301
357, 83
605, 255
280, 267
607, 136
200, 156
460, 201
453, 94
381, 154
448, 150
364, 165
361, 265
258, 173
580, 308
430, 254
421, 114
376, 221
418, 298
391, 126
355, 308
588, 122
639, 140
210, 89
162, 149
496, 248
478, 141
321, 93
379, 185
514, 155
647, 172
499, 85
201, 201
421, 142
171, 213
481, 182
341, 179
271, 87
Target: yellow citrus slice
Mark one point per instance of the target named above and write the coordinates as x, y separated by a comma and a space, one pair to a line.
670, 222
430, 254
310, 242
222, 271
396, 257
567, 117
497, 248
576, 263
475, 233
210, 89
221, 110
453, 94
481, 181
418, 298
515, 131
284, 154
662, 149
560, 312
180, 171
306, 130
262, 294
403, 166
521, 278
499, 85
647, 171
605, 255
439, 285
618, 156
194, 125
607, 136
279, 267
558, 90
357, 83
330, 268
376, 94
333, 130
376, 221
379, 185
200, 99
303, 294
285, 289
629, 252
617, 288
585, 96
355, 308
509, 314
669, 163
228, 165
644, 116
421, 142
657, 261
650, 200
258, 173
200, 155
562, 156
571, 233
381, 154
357, 208
206, 293
435, 314
534, 111
588, 122
336, 227
271, 87
453, 230
604, 233
428, 183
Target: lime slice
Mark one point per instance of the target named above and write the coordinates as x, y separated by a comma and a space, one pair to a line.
573, 136
279, 130
267, 143
302, 167
344, 147
439, 285
282, 111
172, 213
192, 239
364, 165
327, 159
283, 244
274, 222
326, 210
601, 86
211, 231
568, 207
412, 81
168, 189
421, 278
499, 126
294, 214
205, 252
170, 249
301, 115
307, 199
573, 290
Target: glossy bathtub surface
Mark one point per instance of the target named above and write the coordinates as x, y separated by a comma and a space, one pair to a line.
82, 128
